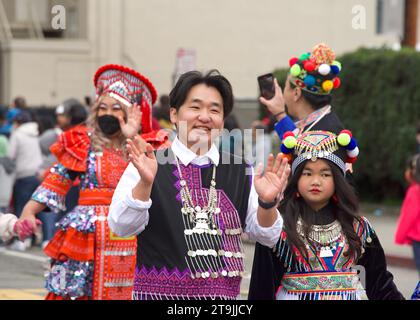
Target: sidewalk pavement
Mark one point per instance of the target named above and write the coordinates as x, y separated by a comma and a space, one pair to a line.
384, 221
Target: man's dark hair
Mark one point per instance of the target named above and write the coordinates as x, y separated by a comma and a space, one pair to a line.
317, 101
213, 79
75, 111
23, 117
20, 103
164, 100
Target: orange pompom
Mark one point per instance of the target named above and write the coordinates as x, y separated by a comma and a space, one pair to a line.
322, 53
288, 156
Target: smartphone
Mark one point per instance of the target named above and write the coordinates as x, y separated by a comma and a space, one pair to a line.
266, 83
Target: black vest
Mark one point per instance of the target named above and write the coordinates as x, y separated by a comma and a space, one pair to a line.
162, 243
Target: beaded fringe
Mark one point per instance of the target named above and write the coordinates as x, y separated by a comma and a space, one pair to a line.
283, 294
160, 296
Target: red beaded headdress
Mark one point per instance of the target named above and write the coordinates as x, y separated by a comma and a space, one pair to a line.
128, 87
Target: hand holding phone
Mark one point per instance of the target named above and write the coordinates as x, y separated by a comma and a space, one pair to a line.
272, 96
266, 83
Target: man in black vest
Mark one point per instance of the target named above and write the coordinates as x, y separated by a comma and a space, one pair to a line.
188, 205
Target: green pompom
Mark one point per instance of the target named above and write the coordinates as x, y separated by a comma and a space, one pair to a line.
295, 70
343, 139
304, 56
290, 142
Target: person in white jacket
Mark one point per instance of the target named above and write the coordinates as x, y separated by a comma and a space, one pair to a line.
25, 151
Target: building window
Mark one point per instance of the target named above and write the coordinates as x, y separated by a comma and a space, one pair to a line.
390, 17
28, 19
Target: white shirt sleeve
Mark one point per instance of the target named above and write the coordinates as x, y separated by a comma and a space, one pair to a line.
267, 236
128, 216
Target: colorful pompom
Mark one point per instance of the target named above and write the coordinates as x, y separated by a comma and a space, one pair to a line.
293, 61
327, 85
309, 80
335, 69
309, 66
348, 132
290, 142
295, 70
343, 139
337, 83
285, 150
304, 56
338, 64
287, 156
353, 153
352, 145
288, 134
324, 69
322, 53
351, 160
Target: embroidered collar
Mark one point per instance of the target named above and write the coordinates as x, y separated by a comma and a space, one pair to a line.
311, 118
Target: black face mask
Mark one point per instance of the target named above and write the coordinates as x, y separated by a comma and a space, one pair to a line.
109, 124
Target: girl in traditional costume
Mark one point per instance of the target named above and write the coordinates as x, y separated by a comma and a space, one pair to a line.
88, 261
325, 251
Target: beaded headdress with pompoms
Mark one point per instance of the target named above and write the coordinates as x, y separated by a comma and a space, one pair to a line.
316, 71
313, 145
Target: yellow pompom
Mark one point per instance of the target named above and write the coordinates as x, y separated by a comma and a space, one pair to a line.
327, 85
343, 139
290, 142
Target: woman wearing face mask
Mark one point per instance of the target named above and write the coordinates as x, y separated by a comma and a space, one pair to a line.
88, 261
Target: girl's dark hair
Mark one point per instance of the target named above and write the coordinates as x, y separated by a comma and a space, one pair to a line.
315, 100
213, 79
345, 211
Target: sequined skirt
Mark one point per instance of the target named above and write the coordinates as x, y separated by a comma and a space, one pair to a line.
88, 260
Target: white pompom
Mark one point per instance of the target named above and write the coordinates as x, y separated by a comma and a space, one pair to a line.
324, 69
353, 153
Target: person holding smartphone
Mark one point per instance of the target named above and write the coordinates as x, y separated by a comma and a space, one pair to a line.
303, 105
306, 99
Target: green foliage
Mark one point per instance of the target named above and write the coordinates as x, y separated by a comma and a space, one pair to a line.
379, 101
